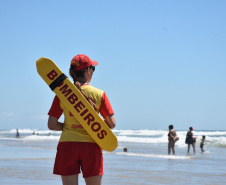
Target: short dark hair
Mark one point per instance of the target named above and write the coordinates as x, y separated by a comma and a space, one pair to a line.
170, 126
191, 128
76, 74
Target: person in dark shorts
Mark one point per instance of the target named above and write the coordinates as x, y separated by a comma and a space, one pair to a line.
202, 143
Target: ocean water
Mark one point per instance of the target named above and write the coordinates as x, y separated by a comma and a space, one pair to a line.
30, 158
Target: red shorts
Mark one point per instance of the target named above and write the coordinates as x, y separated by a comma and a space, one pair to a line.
71, 156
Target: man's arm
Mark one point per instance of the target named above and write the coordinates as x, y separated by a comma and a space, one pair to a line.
54, 124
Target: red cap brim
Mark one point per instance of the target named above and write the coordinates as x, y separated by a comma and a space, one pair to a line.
94, 63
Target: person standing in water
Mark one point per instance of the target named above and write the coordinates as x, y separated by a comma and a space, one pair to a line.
171, 137
17, 133
202, 143
76, 149
190, 140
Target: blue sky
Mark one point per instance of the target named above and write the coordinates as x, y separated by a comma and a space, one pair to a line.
160, 62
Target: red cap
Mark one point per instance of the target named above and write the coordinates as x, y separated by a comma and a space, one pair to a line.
82, 61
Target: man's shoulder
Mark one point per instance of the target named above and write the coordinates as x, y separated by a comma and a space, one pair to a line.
92, 88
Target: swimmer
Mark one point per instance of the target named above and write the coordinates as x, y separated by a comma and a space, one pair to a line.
202, 143
171, 137
190, 140
17, 133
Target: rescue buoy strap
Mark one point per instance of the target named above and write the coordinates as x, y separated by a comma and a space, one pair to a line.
58, 81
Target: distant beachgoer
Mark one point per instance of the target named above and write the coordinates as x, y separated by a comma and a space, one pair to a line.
190, 140
33, 133
49, 134
202, 143
124, 149
172, 136
76, 150
17, 134
37, 133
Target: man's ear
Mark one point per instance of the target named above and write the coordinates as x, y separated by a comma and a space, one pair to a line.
88, 71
